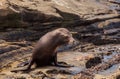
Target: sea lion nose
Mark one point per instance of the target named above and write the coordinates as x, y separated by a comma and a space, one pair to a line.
72, 40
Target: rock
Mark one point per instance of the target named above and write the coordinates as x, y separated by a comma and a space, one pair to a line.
8, 48
93, 62
67, 13
109, 24
96, 23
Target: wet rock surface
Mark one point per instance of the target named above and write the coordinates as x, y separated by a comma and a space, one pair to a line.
95, 26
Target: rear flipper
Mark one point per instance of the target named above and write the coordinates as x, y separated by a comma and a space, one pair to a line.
20, 69
25, 69
23, 64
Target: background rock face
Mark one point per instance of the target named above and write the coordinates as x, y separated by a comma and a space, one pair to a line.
97, 23
68, 11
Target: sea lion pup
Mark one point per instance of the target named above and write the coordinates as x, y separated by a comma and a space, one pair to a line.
44, 53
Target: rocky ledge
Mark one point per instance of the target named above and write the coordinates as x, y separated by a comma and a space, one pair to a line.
96, 24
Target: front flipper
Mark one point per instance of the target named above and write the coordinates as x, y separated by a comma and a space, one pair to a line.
60, 64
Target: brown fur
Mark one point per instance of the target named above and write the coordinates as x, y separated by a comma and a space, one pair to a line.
44, 52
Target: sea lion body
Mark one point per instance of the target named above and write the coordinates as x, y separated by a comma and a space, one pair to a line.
44, 52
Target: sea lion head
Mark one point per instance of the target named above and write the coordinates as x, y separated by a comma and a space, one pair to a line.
64, 36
